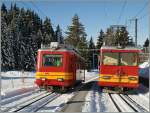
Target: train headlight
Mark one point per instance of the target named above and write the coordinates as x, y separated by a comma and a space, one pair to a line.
60, 79
106, 77
132, 78
42, 78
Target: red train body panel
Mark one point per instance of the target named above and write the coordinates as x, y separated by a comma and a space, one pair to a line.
119, 67
64, 75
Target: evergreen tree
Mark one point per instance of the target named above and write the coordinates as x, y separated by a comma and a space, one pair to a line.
76, 33
22, 34
121, 37
146, 43
39, 38
116, 37
91, 53
48, 32
8, 61
58, 35
109, 38
100, 39
76, 36
21, 51
3, 8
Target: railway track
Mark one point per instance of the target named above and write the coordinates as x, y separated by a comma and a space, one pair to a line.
124, 103
33, 104
16, 97
114, 102
38, 103
31, 101
134, 104
9, 108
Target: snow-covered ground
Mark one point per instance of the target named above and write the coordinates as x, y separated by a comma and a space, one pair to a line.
57, 104
13, 80
93, 74
15, 89
17, 82
96, 101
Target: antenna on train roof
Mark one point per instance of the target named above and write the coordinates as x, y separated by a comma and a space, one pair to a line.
54, 45
119, 46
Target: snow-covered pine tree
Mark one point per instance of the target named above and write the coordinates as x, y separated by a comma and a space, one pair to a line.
8, 61
48, 32
91, 53
100, 39
24, 29
76, 36
39, 38
3, 9
146, 43
21, 51
58, 35
121, 37
75, 32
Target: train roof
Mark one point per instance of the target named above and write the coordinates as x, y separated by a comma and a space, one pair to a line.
119, 48
61, 48
58, 49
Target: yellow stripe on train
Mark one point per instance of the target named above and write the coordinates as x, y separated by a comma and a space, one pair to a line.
116, 78
54, 75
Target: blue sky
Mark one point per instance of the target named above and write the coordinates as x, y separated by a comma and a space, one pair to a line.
93, 14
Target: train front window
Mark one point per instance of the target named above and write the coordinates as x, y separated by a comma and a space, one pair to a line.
110, 58
128, 59
52, 60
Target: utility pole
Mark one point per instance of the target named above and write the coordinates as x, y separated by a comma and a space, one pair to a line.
136, 31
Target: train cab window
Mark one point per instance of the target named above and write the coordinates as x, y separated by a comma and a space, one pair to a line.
52, 60
110, 58
129, 59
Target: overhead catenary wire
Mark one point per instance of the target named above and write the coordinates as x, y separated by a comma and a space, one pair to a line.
105, 7
139, 12
121, 12
141, 17
42, 12
144, 6
38, 8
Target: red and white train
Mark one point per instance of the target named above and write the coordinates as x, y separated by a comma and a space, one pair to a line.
118, 67
59, 66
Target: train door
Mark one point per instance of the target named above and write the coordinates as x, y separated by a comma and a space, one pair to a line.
128, 67
73, 67
78, 70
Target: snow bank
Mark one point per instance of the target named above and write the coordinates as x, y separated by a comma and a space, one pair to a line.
91, 75
17, 74
12, 80
144, 70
